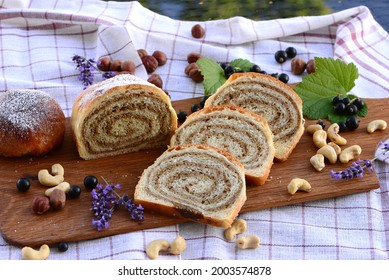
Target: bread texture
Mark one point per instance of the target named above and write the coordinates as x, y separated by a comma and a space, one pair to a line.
240, 132
270, 98
195, 182
121, 115
32, 123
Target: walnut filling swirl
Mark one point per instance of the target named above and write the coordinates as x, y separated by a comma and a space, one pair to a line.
195, 181
120, 123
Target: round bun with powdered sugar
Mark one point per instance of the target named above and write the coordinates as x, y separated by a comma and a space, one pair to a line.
32, 123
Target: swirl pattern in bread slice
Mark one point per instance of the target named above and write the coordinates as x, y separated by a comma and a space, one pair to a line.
195, 182
121, 115
240, 132
270, 98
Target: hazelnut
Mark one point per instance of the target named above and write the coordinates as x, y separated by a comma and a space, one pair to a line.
193, 71
193, 57
57, 199
40, 204
160, 56
156, 80
116, 65
128, 66
104, 63
142, 53
150, 63
311, 66
198, 31
298, 66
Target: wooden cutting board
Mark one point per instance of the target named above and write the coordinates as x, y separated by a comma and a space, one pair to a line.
21, 227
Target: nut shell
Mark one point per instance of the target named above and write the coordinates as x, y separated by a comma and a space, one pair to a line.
57, 199
198, 31
40, 204
150, 63
156, 80
160, 56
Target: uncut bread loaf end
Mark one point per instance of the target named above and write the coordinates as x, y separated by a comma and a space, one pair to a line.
270, 98
120, 115
240, 132
195, 182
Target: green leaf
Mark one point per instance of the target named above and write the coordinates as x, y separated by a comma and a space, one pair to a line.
241, 63
213, 75
338, 70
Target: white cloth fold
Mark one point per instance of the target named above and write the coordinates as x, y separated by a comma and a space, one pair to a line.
38, 40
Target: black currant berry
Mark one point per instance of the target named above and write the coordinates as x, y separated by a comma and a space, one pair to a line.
342, 126
336, 100
223, 65
74, 191
274, 75
255, 68
321, 123
195, 108
182, 115
359, 103
346, 100
90, 182
23, 184
291, 52
352, 123
351, 109
62, 246
283, 77
340, 108
280, 56
202, 101
229, 70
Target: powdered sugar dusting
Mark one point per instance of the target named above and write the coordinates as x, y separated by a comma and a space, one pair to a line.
23, 109
97, 90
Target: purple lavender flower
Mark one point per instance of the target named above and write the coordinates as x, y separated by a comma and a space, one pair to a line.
105, 200
358, 168
87, 69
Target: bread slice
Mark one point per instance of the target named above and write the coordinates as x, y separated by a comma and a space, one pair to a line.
194, 182
120, 115
270, 98
240, 132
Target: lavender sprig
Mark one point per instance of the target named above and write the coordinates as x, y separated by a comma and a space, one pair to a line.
88, 68
105, 200
358, 168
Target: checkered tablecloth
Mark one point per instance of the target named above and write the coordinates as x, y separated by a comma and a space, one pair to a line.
39, 38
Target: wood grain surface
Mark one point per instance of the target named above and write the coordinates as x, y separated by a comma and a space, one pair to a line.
21, 227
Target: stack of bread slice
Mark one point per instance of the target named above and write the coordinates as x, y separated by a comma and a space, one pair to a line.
250, 120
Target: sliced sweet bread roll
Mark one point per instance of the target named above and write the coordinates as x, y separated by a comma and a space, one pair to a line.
240, 132
120, 115
270, 98
194, 182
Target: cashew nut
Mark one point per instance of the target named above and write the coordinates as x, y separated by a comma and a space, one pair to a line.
329, 153
298, 184
155, 246
57, 169
178, 245
333, 135
46, 179
29, 253
320, 138
238, 226
336, 147
376, 125
317, 162
350, 153
313, 128
248, 242
65, 186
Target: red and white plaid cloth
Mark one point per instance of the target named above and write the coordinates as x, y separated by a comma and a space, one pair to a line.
39, 38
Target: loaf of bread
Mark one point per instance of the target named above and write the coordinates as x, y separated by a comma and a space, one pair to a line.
194, 182
120, 115
240, 132
270, 98
32, 123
